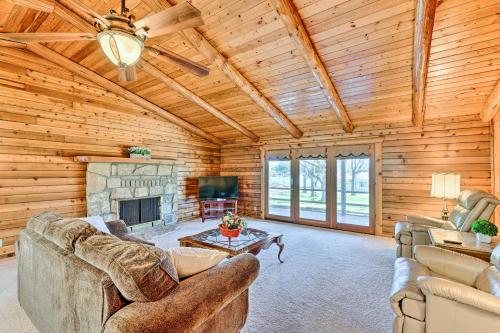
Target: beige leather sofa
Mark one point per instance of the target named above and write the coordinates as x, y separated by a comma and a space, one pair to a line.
446, 292
471, 205
61, 292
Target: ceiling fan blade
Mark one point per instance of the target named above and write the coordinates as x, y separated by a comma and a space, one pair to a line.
178, 17
178, 60
83, 10
45, 37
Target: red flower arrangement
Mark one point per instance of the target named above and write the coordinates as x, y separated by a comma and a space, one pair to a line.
231, 225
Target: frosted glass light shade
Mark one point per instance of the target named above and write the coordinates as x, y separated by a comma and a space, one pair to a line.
445, 185
121, 48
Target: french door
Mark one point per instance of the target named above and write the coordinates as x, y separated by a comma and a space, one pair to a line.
330, 187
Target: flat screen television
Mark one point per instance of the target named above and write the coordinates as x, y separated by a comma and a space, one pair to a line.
218, 187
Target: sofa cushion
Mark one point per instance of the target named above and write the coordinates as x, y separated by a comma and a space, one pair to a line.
141, 272
62, 232
191, 260
452, 265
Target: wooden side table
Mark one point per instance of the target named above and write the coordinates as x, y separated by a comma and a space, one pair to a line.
468, 246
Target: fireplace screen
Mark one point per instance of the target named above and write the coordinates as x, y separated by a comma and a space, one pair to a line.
139, 211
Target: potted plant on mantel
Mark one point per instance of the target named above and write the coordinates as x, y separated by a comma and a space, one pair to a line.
484, 230
231, 225
139, 152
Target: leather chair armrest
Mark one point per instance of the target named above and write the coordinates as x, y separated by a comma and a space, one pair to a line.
456, 266
403, 228
459, 293
425, 221
193, 302
404, 283
403, 233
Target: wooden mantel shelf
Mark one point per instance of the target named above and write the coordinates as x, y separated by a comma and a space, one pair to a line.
108, 159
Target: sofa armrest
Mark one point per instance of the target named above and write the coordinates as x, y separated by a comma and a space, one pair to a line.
404, 283
193, 302
459, 293
454, 265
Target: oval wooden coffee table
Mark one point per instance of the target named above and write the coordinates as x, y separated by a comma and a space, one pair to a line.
250, 240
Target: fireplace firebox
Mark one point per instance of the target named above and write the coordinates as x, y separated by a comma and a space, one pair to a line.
139, 211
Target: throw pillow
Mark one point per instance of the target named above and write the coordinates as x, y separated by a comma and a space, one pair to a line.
142, 273
97, 222
191, 260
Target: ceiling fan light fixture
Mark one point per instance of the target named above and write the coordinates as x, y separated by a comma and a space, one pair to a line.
121, 48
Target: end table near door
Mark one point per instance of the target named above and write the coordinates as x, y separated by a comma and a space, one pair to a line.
464, 242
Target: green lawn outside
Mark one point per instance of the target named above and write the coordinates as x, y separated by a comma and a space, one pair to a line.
281, 198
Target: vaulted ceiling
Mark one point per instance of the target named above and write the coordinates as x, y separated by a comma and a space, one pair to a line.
366, 47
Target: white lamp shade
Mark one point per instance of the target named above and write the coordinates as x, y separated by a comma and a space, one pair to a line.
445, 185
120, 48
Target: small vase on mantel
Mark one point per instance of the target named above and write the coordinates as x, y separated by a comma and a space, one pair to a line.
139, 152
481, 238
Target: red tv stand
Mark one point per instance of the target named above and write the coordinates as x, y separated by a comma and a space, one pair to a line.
215, 208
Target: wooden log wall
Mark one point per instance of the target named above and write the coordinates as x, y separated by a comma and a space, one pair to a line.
48, 115
409, 157
495, 157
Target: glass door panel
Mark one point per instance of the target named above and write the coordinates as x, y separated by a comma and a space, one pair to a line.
312, 189
279, 188
353, 191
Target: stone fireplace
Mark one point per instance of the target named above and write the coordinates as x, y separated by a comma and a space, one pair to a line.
110, 184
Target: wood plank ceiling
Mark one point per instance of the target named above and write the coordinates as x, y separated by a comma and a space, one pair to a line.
365, 45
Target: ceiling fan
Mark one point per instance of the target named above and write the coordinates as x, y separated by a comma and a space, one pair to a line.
122, 38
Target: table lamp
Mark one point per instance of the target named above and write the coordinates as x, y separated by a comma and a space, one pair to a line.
445, 186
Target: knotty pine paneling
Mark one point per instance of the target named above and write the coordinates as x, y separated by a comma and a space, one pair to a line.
409, 157
47, 116
495, 156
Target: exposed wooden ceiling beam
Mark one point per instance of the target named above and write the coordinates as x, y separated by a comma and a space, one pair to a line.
86, 73
203, 46
188, 94
291, 18
422, 38
211, 53
9, 43
84, 11
71, 17
42, 5
492, 107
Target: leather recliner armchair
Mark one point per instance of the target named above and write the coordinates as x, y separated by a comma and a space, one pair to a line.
443, 291
471, 205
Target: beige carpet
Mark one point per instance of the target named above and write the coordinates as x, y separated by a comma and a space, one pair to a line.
331, 282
